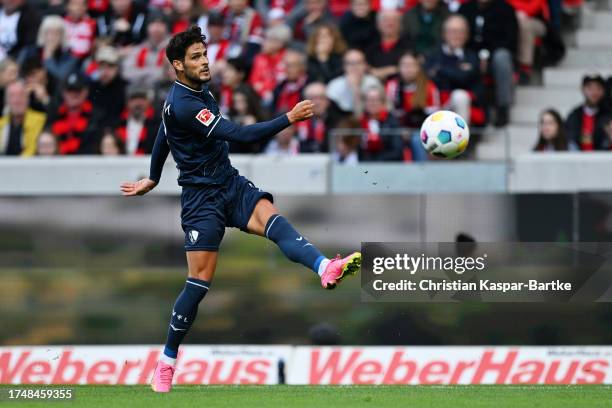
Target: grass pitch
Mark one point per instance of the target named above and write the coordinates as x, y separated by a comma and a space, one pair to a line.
459, 396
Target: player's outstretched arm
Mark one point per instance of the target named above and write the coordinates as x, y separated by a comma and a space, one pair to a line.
220, 128
158, 158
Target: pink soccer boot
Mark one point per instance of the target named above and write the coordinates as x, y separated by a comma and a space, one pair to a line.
338, 268
162, 377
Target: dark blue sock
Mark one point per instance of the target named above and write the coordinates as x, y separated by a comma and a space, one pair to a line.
294, 246
184, 313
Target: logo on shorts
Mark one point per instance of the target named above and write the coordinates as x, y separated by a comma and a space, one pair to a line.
205, 117
193, 236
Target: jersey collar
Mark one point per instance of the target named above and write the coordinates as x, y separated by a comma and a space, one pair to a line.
190, 88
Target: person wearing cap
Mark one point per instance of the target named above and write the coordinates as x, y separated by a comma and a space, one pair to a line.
585, 124
20, 126
138, 126
145, 63
108, 90
72, 122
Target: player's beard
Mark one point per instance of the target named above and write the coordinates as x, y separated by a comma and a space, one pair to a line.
195, 77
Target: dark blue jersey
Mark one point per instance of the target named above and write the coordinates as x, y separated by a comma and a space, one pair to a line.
196, 134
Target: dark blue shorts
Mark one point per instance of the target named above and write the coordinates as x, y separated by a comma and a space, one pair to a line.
206, 211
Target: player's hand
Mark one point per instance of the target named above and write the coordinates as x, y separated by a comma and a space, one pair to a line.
301, 111
140, 187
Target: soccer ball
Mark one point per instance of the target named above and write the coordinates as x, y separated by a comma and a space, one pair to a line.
445, 134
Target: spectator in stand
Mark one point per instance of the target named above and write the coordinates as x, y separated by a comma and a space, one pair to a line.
108, 90
42, 92
145, 63
346, 91
231, 78
216, 45
244, 30
384, 55
289, 91
552, 135
246, 110
72, 121
494, 34
413, 97
313, 133
124, 24
20, 126
585, 124
347, 140
184, 14
284, 143
531, 15
111, 144
47, 144
412, 94
358, 25
325, 48
607, 145
9, 72
268, 69
97, 8
315, 12
80, 29
455, 70
422, 25
18, 27
382, 140
139, 125
52, 49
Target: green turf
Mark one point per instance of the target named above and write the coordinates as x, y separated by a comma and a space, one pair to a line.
535, 396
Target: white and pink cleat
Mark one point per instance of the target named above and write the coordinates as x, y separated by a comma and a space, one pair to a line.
162, 377
338, 268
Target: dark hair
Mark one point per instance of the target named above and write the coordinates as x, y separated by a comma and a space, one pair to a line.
239, 64
109, 132
254, 106
560, 140
177, 47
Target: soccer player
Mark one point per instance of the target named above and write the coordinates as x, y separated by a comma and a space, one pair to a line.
214, 195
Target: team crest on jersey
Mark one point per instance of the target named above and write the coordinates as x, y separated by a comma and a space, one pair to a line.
205, 117
193, 236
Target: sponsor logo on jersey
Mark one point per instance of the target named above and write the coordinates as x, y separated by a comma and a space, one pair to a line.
205, 117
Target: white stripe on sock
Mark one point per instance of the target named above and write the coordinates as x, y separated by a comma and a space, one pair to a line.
322, 266
270, 226
168, 360
197, 284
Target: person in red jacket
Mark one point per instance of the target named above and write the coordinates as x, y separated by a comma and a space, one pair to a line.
531, 15
72, 123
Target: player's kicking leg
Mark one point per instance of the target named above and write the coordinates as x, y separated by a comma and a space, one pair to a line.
267, 222
202, 266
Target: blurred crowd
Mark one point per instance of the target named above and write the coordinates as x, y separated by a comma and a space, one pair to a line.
90, 76
588, 127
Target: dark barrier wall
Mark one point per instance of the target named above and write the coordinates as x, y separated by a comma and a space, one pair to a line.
107, 270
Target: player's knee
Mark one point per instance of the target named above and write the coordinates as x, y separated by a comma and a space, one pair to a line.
205, 274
